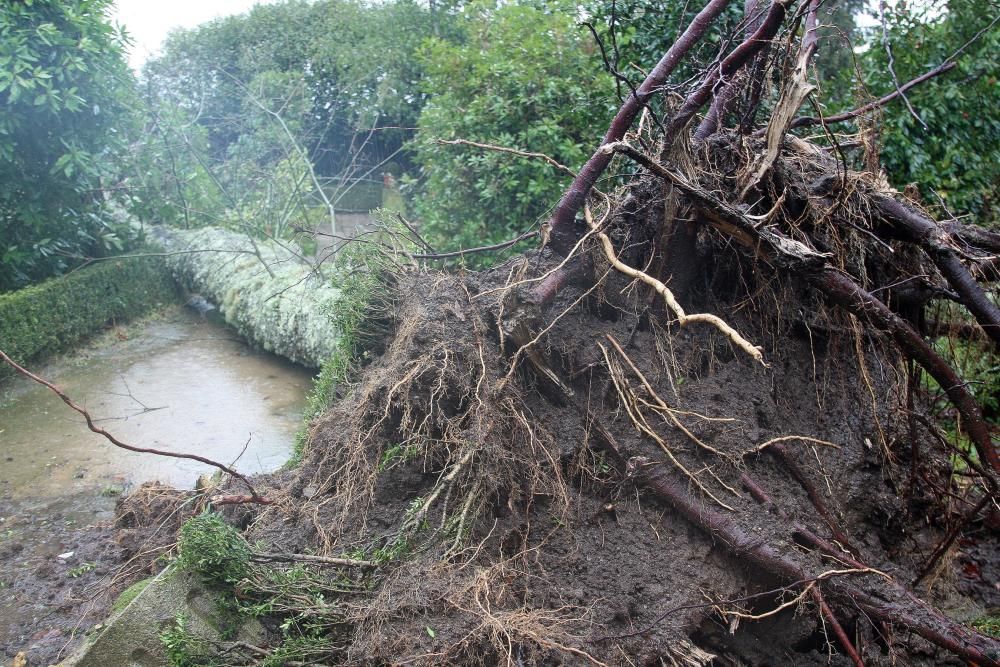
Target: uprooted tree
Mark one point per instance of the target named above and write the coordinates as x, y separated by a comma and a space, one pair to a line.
717, 414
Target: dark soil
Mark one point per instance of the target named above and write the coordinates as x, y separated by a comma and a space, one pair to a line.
540, 549
48, 603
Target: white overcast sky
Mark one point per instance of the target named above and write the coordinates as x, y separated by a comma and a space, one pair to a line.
149, 21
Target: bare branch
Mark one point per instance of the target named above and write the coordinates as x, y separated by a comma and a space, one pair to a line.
572, 200
254, 497
505, 149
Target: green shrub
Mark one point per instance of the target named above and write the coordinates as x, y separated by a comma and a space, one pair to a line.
53, 315
214, 549
185, 649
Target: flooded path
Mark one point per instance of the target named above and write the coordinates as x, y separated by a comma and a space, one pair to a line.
176, 382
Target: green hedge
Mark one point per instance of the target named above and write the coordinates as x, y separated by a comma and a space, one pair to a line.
53, 315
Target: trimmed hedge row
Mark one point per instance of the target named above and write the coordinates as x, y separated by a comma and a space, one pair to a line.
53, 315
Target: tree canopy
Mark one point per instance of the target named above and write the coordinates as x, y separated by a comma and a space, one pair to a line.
63, 99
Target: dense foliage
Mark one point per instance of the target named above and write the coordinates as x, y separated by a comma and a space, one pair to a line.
318, 93
953, 151
63, 84
523, 77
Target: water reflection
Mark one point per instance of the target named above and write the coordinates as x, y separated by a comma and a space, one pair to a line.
180, 383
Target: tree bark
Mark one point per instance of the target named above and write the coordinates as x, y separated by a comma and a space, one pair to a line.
572, 200
914, 227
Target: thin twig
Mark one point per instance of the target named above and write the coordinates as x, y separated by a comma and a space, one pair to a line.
892, 65
805, 121
511, 151
309, 558
485, 248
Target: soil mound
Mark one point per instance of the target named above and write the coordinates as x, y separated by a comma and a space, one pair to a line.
570, 474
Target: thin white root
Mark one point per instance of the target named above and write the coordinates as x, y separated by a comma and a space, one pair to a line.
639, 420
756, 352
785, 438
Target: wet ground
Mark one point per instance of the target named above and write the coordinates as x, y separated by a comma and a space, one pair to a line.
176, 382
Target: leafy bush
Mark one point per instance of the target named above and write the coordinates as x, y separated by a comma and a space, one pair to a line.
957, 154
52, 316
185, 649
63, 84
525, 77
214, 549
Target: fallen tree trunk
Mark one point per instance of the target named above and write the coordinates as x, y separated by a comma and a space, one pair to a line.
270, 297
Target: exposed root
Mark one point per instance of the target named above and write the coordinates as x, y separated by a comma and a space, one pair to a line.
755, 352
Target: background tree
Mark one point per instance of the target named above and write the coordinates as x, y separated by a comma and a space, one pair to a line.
523, 77
951, 149
63, 86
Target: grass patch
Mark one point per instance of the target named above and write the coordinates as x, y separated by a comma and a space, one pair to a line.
129, 594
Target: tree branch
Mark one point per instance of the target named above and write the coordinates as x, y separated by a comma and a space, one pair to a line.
805, 121
563, 217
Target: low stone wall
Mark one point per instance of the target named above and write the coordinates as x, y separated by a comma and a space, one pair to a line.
273, 300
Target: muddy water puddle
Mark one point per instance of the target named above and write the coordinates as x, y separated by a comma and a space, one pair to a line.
177, 382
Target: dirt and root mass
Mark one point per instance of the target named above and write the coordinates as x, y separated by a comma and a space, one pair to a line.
544, 463
714, 419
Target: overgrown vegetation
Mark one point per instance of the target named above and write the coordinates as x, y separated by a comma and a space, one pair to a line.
63, 125
214, 549
358, 316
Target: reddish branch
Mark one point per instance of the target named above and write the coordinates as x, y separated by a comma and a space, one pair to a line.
572, 200
900, 607
842, 290
912, 613
838, 630
254, 497
881, 102
800, 476
912, 226
732, 63
724, 98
